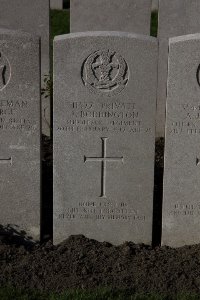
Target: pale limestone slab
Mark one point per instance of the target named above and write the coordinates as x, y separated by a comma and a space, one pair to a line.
31, 16
176, 17
56, 4
20, 132
112, 15
104, 134
181, 206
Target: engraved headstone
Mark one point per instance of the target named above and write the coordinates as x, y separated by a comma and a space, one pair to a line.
31, 16
112, 15
20, 132
176, 17
181, 207
56, 4
104, 117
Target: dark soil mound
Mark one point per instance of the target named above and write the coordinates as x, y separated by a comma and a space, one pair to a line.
82, 263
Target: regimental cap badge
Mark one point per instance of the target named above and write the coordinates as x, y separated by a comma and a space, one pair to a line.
105, 72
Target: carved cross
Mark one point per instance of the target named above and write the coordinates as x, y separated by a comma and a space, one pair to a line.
103, 159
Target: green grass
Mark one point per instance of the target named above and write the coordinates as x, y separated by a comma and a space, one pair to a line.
60, 22
101, 294
154, 23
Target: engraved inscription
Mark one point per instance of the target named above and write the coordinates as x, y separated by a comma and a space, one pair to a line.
5, 71
105, 72
188, 122
13, 115
185, 209
104, 159
113, 117
102, 211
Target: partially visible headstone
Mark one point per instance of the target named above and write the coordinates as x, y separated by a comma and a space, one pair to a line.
176, 17
155, 4
181, 207
20, 131
112, 15
104, 117
31, 16
56, 4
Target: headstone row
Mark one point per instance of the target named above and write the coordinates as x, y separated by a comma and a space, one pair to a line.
105, 86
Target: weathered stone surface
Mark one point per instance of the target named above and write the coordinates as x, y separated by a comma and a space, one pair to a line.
176, 17
56, 4
20, 131
181, 207
112, 15
104, 116
31, 16
155, 4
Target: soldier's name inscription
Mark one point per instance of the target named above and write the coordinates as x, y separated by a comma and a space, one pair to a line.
188, 122
10, 118
117, 117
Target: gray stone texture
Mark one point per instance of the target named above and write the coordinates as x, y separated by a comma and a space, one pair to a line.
112, 15
176, 17
31, 16
20, 131
56, 4
104, 122
181, 206
155, 4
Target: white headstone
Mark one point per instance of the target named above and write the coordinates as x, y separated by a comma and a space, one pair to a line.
112, 15
181, 206
20, 131
31, 16
176, 17
104, 122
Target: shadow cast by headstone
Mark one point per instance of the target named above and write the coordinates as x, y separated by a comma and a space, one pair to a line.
158, 192
13, 235
47, 190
